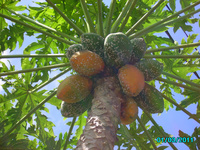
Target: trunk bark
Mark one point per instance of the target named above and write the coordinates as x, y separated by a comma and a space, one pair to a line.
103, 118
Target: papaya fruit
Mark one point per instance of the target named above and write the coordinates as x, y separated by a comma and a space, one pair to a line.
117, 50
129, 111
131, 80
150, 99
74, 88
73, 49
138, 51
76, 109
87, 63
93, 42
150, 68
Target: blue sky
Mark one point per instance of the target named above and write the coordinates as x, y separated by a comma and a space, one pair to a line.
171, 121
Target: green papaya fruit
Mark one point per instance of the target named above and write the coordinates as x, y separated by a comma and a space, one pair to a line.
93, 42
76, 109
150, 68
150, 99
73, 49
139, 49
117, 50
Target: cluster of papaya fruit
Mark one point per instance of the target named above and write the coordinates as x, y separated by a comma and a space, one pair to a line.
115, 55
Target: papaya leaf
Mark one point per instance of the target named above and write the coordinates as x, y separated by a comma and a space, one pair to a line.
81, 123
193, 97
172, 4
162, 147
190, 142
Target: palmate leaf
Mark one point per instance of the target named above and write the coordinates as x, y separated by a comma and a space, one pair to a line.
193, 97
81, 122
193, 140
144, 120
183, 26
9, 3
190, 39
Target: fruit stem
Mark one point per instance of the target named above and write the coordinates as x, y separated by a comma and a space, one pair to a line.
78, 30
131, 30
36, 29
100, 18
181, 108
89, 23
171, 56
121, 16
181, 79
34, 69
147, 133
172, 47
178, 84
69, 133
50, 80
154, 26
28, 115
32, 55
108, 22
127, 16
44, 26
159, 129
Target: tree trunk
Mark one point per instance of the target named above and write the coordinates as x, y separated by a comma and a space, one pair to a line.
103, 118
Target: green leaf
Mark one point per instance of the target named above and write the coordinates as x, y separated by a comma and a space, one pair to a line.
162, 147
182, 24
191, 143
185, 3
193, 97
81, 123
190, 39
172, 4
33, 46
3, 23
16, 8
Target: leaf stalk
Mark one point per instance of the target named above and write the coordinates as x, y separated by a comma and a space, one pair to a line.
69, 134
100, 18
109, 18
171, 56
178, 84
181, 79
131, 30
159, 129
34, 69
159, 23
121, 16
77, 29
181, 108
89, 23
36, 29
44, 26
28, 114
172, 47
147, 133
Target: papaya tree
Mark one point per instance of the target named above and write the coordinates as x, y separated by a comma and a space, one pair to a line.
118, 63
